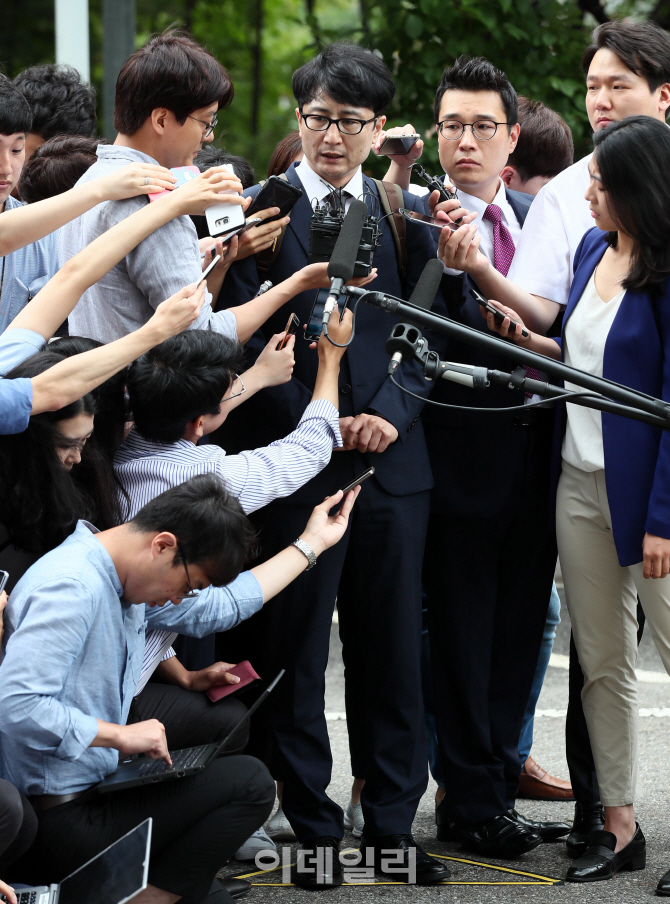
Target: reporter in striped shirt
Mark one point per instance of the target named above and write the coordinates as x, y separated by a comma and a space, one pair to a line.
182, 391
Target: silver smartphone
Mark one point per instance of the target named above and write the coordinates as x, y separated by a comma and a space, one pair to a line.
4, 577
208, 269
415, 217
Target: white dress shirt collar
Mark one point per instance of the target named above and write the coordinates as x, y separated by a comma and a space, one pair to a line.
316, 188
476, 205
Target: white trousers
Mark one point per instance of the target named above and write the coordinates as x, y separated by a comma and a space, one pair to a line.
601, 598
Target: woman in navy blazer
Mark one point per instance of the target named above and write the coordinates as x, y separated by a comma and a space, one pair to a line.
613, 493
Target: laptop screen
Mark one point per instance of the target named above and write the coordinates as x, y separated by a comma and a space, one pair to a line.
113, 876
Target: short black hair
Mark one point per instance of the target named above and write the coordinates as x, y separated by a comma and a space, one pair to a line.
633, 158
210, 526
644, 47
347, 73
478, 74
15, 114
61, 102
211, 156
179, 380
172, 71
545, 146
56, 166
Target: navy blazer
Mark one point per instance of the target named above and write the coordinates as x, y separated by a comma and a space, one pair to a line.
364, 386
462, 443
637, 456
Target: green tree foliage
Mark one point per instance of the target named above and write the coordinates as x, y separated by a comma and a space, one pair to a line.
539, 44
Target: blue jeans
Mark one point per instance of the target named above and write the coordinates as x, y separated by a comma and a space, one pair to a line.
526, 738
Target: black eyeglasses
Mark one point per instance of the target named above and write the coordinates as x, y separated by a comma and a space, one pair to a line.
209, 126
192, 593
483, 129
318, 123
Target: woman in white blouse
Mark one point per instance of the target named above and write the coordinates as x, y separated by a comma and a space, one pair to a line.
613, 495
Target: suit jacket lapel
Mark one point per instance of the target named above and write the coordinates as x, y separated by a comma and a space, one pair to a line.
301, 212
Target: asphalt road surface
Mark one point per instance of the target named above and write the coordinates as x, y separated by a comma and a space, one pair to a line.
548, 860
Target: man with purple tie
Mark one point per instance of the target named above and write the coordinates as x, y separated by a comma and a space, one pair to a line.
490, 555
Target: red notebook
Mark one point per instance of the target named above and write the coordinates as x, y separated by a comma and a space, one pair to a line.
247, 675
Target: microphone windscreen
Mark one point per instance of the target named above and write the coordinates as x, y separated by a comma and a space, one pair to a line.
426, 288
345, 252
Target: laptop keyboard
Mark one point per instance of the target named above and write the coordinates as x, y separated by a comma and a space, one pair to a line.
27, 897
181, 759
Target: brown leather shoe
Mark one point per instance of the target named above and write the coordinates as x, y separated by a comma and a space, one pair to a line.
537, 784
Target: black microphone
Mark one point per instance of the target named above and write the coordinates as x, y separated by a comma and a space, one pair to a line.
343, 259
423, 296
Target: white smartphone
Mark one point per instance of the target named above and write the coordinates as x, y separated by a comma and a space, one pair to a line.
206, 271
222, 218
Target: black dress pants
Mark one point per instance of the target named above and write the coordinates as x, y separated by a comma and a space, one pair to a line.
198, 824
375, 574
488, 583
18, 825
189, 717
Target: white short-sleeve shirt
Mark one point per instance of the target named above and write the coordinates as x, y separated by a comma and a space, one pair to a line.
556, 222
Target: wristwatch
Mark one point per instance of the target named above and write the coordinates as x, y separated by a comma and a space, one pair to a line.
307, 551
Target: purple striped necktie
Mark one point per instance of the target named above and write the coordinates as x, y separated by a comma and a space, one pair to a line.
503, 254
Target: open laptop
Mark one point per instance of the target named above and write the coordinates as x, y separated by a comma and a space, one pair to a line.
188, 761
114, 876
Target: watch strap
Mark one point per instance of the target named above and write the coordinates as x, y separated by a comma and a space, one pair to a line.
307, 551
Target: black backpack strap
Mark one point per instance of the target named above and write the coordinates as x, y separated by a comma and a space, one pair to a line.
391, 199
266, 258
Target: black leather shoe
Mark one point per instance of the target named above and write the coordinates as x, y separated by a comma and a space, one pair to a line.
318, 864
446, 829
589, 818
600, 862
236, 888
500, 837
381, 850
548, 831
663, 887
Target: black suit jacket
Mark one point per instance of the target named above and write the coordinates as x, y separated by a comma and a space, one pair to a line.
474, 455
364, 386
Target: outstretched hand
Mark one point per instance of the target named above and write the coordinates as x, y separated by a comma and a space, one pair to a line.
324, 530
178, 312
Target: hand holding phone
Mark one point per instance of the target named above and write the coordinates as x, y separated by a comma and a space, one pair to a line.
398, 145
415, 217
350, 486
291, 329
498, 315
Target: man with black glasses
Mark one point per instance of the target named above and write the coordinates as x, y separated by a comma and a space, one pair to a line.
376, 571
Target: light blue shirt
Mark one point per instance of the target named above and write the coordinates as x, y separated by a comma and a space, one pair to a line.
24, 272
166, 261
73, 655
16, 396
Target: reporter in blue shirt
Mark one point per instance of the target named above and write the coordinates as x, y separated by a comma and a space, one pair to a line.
613, 495
75, 637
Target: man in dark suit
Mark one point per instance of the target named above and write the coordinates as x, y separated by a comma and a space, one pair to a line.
490, 555
375, 574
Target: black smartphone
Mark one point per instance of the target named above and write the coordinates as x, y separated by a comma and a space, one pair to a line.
357, 480
398, 144
350, 486
275, 193
291, 329
498, 315
415, 217
315, 322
